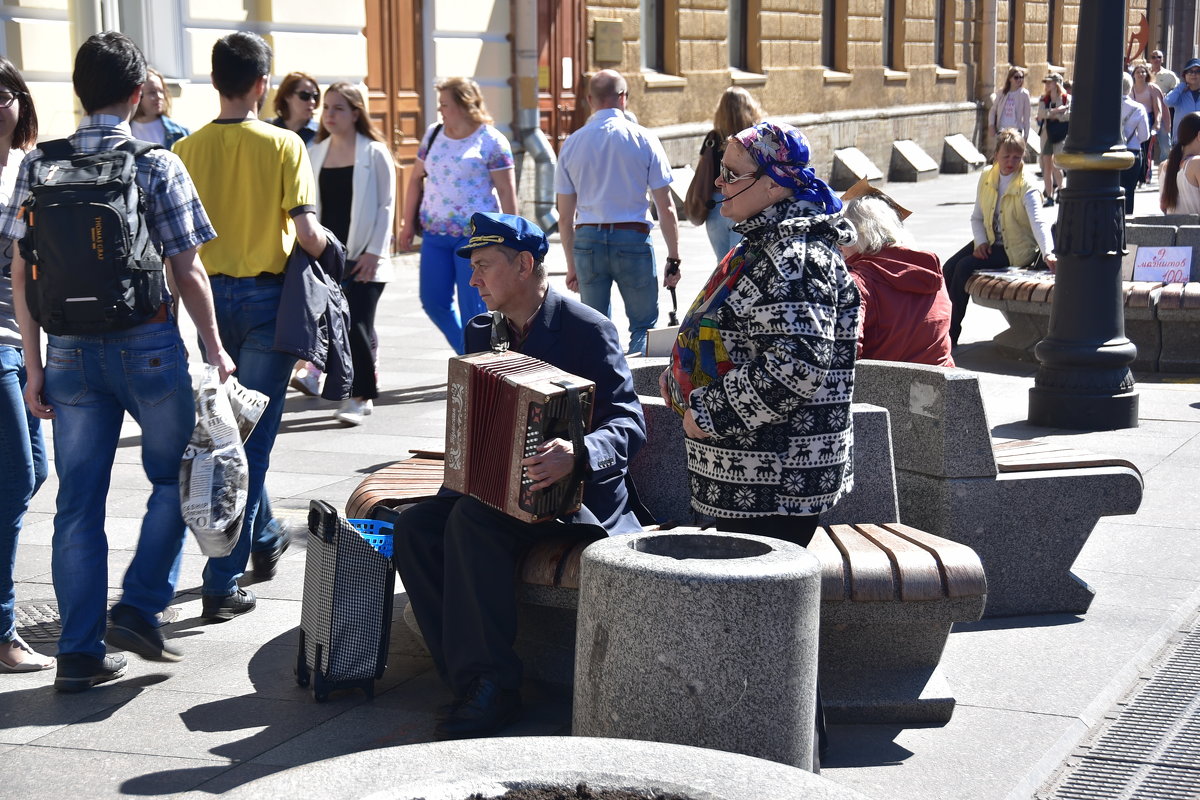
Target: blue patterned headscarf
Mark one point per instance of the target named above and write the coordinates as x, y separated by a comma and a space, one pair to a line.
783, 152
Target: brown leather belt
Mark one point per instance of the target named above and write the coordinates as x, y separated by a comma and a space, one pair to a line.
160, 315
640, 227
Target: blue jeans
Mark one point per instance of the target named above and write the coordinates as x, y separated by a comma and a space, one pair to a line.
442, 274
246, 309
721, 234
604, 256
22, 472
92, 381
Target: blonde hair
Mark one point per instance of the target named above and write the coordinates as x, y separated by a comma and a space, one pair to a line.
1009, 139
736, 110
468, 96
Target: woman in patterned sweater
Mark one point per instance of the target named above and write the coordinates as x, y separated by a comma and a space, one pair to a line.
763, 368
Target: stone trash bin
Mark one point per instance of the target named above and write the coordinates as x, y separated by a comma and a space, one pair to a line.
702, 638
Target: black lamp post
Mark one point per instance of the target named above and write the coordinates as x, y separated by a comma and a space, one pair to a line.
1083, 381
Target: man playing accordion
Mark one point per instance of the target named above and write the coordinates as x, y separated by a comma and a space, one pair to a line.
457, 556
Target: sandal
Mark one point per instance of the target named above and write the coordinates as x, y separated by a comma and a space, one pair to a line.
17, 656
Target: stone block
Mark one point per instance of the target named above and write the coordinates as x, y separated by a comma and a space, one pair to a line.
659, 470
1173, 220
645, 373
910, 163
873, 498
850, 165
939, 426
1150, 235
704, 639
959, 155
660, 341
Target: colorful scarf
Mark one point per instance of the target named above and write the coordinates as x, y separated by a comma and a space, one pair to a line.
782, 151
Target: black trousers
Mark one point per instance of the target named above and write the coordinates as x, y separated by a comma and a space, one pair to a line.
363, 298
458, 559
958, 270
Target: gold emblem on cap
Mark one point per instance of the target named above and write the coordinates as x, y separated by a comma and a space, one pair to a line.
486, 239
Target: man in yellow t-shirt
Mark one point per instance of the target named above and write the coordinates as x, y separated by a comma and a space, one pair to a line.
257, 183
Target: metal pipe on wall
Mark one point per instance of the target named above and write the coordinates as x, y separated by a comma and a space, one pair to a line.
526, 119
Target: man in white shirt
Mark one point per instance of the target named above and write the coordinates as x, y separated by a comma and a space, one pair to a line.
603, 173
1166, 81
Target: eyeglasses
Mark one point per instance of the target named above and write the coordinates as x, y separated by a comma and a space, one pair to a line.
7, 97
308, 97
1156, 56
1018, 77
728, 176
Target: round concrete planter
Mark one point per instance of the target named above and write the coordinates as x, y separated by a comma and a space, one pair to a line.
455, 770
706, 639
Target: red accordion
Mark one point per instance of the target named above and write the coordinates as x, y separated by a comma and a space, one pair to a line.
500, 407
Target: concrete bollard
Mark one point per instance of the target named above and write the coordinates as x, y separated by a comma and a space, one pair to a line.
701, 638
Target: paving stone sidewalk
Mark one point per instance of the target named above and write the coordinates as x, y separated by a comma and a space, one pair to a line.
1028, 688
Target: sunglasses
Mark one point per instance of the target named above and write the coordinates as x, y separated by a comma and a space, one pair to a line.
308, 97
7, 97
728, 176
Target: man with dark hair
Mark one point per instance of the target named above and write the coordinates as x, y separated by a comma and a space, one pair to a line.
603, 173
89, 382
258, 185
456, 556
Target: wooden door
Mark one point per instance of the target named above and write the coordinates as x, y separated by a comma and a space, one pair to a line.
395, 83
560, 66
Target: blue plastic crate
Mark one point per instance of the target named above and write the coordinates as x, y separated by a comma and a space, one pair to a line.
377, 533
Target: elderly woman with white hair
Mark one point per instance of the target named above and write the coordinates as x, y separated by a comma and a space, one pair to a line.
905, 309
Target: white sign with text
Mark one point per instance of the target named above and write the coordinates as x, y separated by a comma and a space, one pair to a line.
1164, 264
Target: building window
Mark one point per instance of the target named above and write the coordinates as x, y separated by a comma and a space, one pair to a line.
1054, 37
943, 35
157, 26
652, 43
833, 35
738, 15
1016, 32
893, 34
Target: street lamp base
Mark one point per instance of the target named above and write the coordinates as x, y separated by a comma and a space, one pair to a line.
1079, 411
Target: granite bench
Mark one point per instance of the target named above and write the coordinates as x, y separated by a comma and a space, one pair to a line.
884, 622
1027, 509
1162, 320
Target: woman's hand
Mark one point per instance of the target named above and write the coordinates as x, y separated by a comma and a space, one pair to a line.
663, 391
366, 269
691, 429
406, 236
35, 380
982, 251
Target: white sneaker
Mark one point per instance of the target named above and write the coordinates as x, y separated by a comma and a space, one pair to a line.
353, 410
307, 380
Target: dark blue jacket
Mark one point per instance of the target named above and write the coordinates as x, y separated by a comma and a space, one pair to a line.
313, 322
584, 342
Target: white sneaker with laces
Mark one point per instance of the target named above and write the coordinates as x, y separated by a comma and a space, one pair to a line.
353, 410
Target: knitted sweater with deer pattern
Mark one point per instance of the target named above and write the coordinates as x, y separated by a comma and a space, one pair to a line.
765, 361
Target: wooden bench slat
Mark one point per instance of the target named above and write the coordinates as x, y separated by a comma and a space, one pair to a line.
544, 563
920, 578
408, 481
833, 566
961, 569
1038, 454
870, 568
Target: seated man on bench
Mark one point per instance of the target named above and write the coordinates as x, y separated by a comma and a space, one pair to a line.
457, 556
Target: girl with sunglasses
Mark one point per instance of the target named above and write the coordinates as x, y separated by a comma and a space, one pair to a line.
295, 103
1012, 105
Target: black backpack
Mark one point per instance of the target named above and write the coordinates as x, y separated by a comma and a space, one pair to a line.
91, 266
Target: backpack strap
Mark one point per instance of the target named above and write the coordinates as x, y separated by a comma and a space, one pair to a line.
137, 147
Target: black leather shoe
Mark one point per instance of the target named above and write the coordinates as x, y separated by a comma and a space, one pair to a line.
128, 631
486, 710
264, 563
220, 609
79, 671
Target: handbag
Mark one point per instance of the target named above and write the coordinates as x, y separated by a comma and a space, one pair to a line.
698, 201
1056, 131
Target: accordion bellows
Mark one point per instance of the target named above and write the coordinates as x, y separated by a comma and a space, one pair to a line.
501, 406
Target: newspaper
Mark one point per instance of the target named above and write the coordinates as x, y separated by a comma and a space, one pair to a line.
214, 475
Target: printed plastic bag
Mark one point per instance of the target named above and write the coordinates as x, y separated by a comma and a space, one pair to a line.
214, 474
